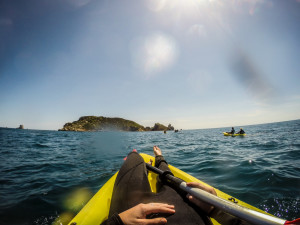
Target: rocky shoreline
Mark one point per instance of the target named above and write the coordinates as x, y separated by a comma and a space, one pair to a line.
100, 123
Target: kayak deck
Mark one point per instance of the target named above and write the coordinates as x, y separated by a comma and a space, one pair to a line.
97, 209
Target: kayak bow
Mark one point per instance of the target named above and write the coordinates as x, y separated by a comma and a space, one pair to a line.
97, 209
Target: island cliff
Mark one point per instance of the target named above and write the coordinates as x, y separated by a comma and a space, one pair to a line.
94, 123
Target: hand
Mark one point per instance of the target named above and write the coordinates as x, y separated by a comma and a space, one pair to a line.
207, 208
137, 214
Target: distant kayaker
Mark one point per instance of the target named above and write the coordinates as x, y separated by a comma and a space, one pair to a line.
241, 131
133, 202
232, 131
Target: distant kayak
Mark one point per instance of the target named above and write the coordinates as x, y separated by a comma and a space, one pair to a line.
229, 134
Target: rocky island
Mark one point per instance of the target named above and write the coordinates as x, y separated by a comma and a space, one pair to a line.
100, 123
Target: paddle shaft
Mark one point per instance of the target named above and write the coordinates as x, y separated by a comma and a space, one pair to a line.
244, 213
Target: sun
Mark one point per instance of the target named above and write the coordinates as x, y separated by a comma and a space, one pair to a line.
154, 53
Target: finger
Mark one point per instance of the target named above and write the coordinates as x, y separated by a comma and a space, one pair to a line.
204, 206
202, 187
194, 184
198, 185
153, 221
161, 204
165, 205
193, 200
158, 208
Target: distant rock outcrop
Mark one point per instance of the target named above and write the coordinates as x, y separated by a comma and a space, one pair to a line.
95, 123
159, 126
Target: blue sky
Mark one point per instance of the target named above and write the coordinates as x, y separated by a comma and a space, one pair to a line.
191, 63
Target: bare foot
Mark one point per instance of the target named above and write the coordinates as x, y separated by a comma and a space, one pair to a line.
156, 150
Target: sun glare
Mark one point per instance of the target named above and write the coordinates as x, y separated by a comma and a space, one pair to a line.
154, 54
186, 5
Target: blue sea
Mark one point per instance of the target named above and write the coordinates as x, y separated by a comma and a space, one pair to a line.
41, 171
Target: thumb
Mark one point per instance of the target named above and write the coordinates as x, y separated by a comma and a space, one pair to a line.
154, 221
192, 199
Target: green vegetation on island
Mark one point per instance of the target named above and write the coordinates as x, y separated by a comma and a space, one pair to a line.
100, 123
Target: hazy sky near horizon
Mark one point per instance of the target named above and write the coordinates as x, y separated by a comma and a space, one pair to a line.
191, 63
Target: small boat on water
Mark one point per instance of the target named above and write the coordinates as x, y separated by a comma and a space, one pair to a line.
233, 135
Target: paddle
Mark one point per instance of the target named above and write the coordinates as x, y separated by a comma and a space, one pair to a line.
244, 213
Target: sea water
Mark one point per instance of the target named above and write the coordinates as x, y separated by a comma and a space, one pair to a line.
41, 170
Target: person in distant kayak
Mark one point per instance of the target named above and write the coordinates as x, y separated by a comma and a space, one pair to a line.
232, 131
134, 203
241, 131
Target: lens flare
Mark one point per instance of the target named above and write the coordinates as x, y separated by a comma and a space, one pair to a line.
250, 75
77, 199
63, 219
154, 54
186, 5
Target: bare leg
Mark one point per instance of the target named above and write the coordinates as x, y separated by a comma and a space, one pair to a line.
160, 162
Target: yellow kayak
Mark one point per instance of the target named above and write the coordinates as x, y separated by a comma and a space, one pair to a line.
229, 134
97, 209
